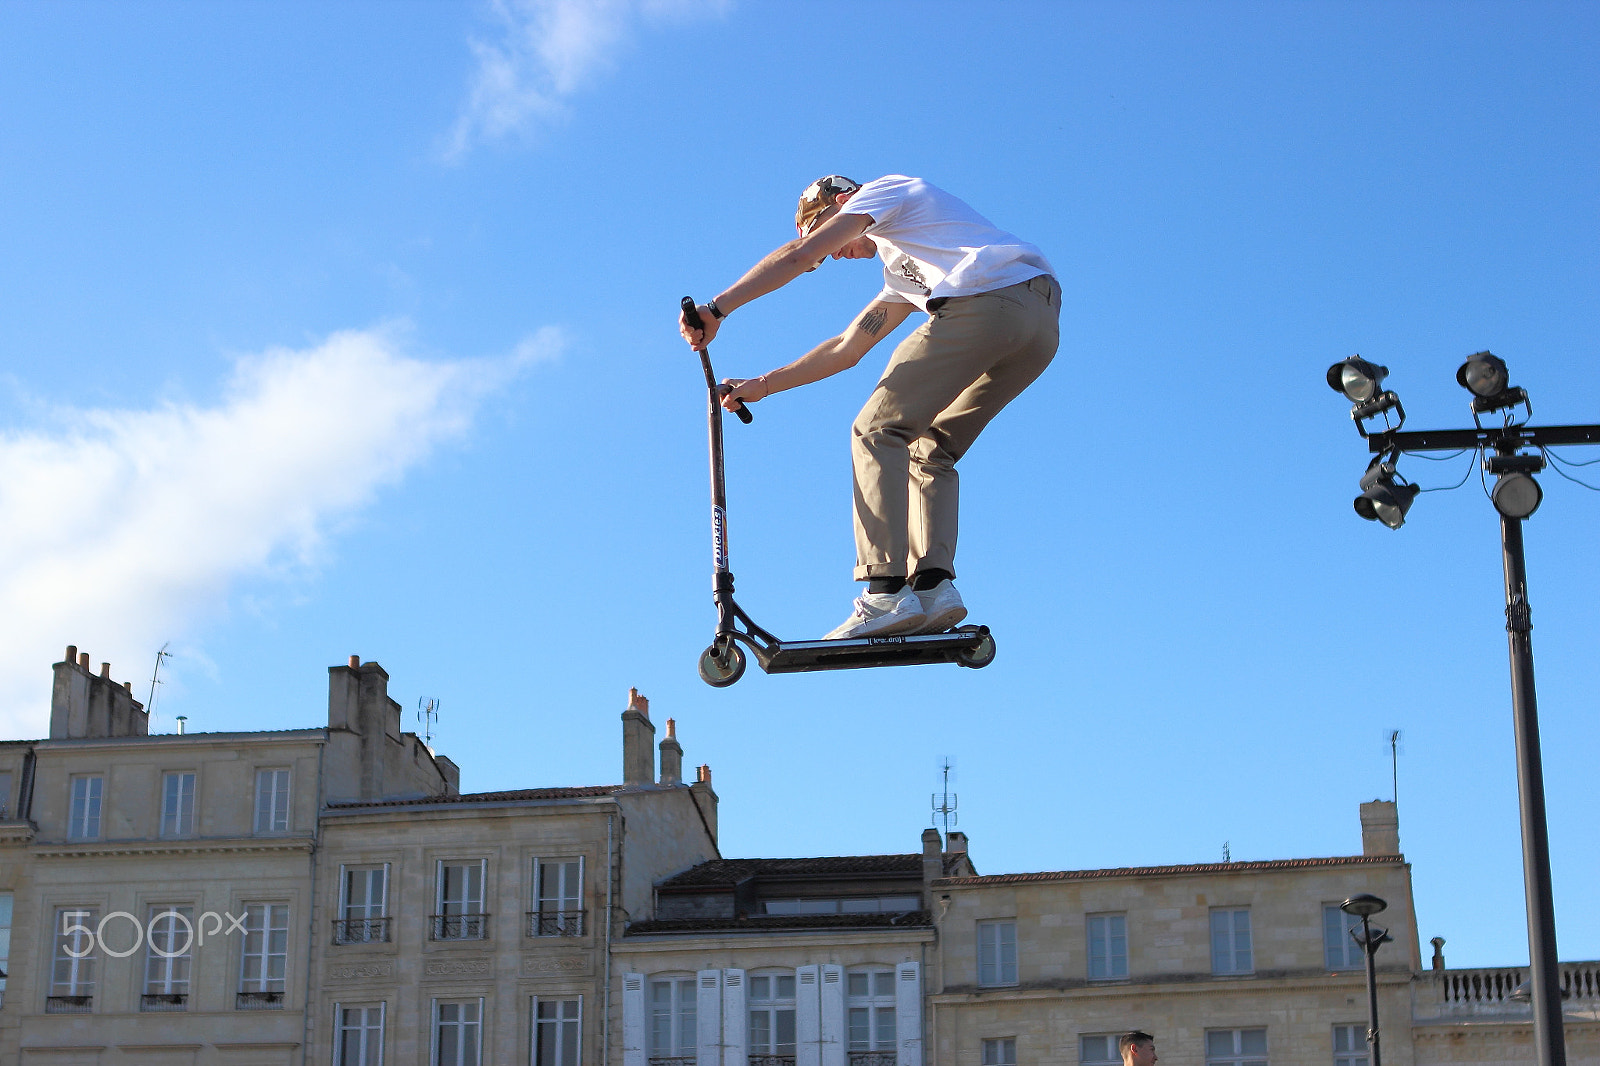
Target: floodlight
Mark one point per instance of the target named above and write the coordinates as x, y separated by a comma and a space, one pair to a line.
1516, 495
1484, 374
1356, 378
1382, 500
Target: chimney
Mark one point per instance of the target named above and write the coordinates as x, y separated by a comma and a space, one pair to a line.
638, 741
932, 857
671, 756
956, 842
1438, 952
84, 705
358, 700
1380, 828
705, 799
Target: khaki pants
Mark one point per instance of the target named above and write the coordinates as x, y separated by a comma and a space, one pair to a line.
942, 386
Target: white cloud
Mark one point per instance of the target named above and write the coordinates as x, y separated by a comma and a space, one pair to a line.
544, 51
120, 526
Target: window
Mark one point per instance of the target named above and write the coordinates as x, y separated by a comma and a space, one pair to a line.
771, 999
272, 801
672, 1020
997, 953
1099, 1049
167, 959
1341, 951
6, 810
869, 1009
460, 898
1236, 1047
556, 1032
72, 962
457, 1032
358, 1035
263, 957
5, 942
177, 804
83, 819
557, 898
1108, 946
1230, 941
857, 905
1350, 1044
363, 905
1001, 1051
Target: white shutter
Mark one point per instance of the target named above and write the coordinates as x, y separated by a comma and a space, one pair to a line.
908, 1013
633, 1051
807, 1016
835, 1034
735, 1020
708, 1018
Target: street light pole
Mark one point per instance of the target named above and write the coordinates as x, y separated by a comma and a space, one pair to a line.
1544, 969
1365, 906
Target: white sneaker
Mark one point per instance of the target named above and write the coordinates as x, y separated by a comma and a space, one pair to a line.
943, 607
881, 614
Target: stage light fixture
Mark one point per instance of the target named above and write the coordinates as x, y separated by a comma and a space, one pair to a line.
1516, 495
1382, 500
1359, 380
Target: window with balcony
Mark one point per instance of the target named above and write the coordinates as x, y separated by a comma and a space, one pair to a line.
358, 1034
72, 962
1000, 1051
363, 905
272, 801
997, 953
1236, 1047
557, 898
168, 959
83, 812
459, 898
1230, 941
672, 1021
1339, 949
457, 1032
557, 1031
1350, 1044
1108, 946
771, 1033
177, 804
869, 999
263, 957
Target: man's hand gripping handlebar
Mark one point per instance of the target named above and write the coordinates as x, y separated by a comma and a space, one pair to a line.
691, 318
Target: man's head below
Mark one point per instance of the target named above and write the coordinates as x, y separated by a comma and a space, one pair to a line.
1138, 1048
821, 199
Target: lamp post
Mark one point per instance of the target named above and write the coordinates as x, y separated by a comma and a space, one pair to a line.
1518, 454
1364, 906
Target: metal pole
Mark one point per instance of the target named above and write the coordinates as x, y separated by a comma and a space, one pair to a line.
1545, 973
1370, 950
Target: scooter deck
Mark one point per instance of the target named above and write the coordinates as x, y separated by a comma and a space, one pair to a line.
960, 646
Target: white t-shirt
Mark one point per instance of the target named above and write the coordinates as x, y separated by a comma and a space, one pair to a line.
932, 244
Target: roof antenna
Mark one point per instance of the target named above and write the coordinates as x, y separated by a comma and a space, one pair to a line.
1394, 762
155, 679
944, 803
427, 714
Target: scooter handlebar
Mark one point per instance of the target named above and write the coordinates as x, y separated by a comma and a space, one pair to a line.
692, 316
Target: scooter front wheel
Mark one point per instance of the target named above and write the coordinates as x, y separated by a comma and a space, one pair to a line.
722, 670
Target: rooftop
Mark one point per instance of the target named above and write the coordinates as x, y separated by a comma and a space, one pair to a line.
1171, 871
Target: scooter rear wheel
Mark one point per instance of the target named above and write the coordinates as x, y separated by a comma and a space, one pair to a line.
720, 671
979, 657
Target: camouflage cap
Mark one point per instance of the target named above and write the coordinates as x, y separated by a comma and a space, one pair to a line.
818, 197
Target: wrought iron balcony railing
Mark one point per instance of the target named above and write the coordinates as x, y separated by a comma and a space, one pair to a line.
460, 926
555, 923
361, 930
69, 1005
771, 1060
258, 1001
872, 1058
164, 1001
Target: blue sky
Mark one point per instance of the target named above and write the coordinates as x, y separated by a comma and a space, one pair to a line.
350, 328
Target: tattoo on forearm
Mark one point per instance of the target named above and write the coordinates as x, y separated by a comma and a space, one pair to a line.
872, 322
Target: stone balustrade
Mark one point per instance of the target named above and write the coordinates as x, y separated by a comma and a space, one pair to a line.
1493, 991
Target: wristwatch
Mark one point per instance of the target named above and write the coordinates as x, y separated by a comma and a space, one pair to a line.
716, 312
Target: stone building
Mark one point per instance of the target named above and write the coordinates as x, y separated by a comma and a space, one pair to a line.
784, 962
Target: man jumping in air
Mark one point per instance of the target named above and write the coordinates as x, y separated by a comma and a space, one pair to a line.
993, 306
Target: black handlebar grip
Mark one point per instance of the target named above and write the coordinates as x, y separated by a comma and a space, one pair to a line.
692, 317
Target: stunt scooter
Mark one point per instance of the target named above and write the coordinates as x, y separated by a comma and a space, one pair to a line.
723, 662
